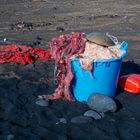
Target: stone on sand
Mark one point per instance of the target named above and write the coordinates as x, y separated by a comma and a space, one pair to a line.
101, 103
63, 120
93, 114
42, 102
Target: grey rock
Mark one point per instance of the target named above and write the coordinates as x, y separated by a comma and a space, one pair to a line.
81, 119
42, 102
113, 120
93, 114
100, 39
10, 137
101, 103
63, 120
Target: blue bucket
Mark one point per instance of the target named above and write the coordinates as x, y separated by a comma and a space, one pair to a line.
102, 79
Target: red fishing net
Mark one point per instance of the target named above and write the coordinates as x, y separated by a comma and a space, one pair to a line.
22, 54
61, 49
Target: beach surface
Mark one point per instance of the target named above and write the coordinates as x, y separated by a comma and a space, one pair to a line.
35, 22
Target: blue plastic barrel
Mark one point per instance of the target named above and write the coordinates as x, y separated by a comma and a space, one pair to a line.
102, 79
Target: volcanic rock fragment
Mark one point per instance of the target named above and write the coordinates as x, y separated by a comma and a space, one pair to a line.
101, 103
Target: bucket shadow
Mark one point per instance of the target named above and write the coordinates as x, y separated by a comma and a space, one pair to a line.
119, 105
129, 67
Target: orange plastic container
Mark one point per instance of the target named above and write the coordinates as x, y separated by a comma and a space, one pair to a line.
130, 83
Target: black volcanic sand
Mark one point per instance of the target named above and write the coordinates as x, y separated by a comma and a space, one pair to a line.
35, 22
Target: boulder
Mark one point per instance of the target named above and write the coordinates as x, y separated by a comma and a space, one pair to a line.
101, 103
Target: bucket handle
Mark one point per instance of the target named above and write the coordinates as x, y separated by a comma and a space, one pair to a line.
113, 38
124, 45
